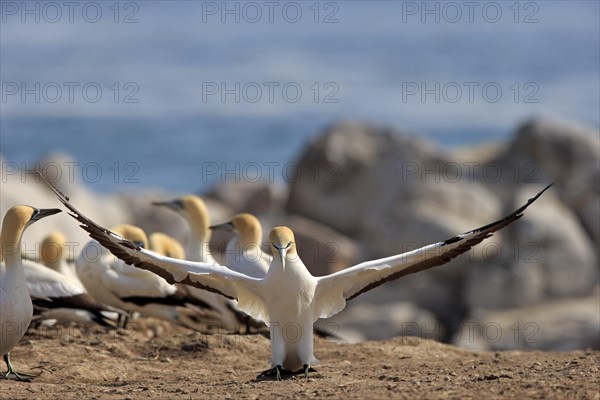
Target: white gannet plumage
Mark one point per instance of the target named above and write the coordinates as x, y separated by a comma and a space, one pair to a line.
16, 309
289, 297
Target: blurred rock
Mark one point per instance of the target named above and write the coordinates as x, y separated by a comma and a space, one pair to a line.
322, 249
360, 321
390, 191
544, 151
343, 171
560, 150
554, 325
260, 198
548, 256
582, 194
479, 153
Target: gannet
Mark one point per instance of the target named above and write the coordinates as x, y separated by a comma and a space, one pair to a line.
289, 298
56, 291
52, 255
54, 297
165, 245
243, 252
194, 211
16, 309
119, 285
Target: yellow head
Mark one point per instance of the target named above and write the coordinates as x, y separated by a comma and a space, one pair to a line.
194, 210
282, 242
165, 245
52, 250
246, 225
132, 233
16, 220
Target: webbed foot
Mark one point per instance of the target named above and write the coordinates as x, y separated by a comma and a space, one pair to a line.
19, 375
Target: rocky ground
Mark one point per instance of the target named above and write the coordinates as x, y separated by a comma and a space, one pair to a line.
136, 364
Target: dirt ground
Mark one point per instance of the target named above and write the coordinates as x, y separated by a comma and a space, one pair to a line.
139, 363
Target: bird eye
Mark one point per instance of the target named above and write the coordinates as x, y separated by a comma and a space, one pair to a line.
288, 245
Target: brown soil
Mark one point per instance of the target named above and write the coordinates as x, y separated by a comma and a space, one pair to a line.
76, 364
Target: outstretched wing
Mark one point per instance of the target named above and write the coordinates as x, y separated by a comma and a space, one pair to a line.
333, 290
212, 277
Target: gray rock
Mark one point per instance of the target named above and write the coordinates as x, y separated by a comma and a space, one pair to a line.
259, 198
390, 191
343, 171
567, 324
543, 151
545, 255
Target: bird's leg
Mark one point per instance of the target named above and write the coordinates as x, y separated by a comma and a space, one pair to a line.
277, 372
247, 321
123, 320
306, 368
19, 375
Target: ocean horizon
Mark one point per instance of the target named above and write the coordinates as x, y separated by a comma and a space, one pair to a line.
171, 87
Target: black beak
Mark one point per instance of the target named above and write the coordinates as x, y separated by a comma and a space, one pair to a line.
226, 226
44, 212
176, 205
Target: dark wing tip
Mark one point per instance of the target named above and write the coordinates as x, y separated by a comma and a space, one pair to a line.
453, 240
518, 213
87, 224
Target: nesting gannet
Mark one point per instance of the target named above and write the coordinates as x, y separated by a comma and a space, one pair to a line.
119, 285
194, 211
243, 252
52, 255
289, 297
55, 297
56, 291
16, 309
165, 245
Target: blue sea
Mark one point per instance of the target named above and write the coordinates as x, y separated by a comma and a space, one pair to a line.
184, 94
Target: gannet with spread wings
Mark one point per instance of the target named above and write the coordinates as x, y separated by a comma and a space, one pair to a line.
289, 297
